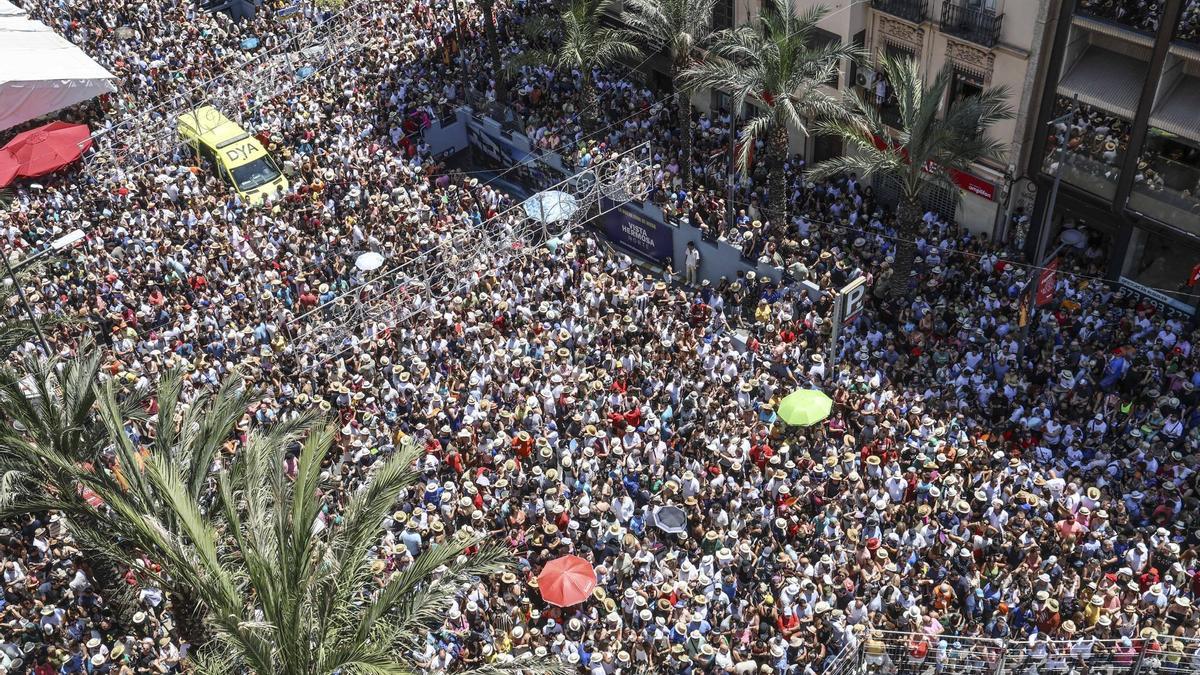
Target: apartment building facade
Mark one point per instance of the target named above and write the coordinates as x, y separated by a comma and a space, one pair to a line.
1120, 121
985, 43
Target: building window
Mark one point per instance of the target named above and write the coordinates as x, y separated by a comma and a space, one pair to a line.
1189, 23
1140, 15
1096, 143
882, 91
964, 84
1166, 186
821, 39
1163, 268
720, 103
898, 52
859, 40
723, 15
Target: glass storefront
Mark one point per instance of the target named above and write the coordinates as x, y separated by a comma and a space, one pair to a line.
1086, 248
1163, 267
1167, 184
1096, 143
1140, 15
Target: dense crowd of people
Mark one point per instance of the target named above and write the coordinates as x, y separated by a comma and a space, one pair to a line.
1189, 22
1143, 15
1096, 141
976, 485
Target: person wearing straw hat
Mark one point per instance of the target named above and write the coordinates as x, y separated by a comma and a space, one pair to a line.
654, 404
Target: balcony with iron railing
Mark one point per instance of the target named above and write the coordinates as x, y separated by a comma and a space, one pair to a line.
915, 11
978, 25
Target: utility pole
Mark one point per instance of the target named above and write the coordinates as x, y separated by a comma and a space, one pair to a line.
1063, 137
37, 327
1029, 297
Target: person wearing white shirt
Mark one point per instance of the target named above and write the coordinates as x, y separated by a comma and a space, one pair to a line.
897, 487
997, 516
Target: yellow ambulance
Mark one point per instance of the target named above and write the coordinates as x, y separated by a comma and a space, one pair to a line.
239, 158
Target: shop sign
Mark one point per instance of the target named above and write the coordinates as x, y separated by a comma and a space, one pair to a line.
974, 184
963, 180
1157, 298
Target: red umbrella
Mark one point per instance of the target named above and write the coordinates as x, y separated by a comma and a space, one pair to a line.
49, 148
567, 581
8, 167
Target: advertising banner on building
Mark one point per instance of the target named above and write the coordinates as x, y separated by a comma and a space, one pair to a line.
638, 233
1158, 299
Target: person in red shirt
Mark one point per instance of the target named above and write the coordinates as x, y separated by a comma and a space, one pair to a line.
787, 623
760, 454
617, 420
634, 416
522, 445
454, 459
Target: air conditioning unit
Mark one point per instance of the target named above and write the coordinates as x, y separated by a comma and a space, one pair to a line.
864, 77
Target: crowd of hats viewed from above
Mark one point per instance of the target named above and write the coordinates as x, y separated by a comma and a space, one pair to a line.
547, 455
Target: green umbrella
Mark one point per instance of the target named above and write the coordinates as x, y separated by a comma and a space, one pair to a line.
805, 407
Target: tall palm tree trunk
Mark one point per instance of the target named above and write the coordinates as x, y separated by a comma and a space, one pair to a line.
908, 225
589, 102
489, 28
777, 148
683, 122
189, 618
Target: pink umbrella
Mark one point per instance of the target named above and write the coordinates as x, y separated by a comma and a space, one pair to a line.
567, 581
49, 148
8, 167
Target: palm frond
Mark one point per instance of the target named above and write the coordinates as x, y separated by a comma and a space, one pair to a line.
926, 140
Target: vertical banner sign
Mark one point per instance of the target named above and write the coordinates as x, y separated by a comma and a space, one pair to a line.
847, 306
1046, 283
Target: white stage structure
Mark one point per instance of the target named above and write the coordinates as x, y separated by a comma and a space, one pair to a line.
40, 71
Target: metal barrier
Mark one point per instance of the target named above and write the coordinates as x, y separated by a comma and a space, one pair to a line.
847, 661
903, 654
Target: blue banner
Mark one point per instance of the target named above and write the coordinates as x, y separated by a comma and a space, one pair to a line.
638, 233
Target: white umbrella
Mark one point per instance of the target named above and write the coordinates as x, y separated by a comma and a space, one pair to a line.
550, 206
369, 261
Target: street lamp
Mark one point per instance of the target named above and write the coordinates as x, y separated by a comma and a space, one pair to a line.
1062, 137
60, 244
1029, 298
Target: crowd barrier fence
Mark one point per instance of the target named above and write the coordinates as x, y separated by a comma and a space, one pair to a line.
965, 655
637, 228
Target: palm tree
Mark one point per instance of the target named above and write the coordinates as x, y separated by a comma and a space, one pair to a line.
63, 433
586, 45
47, 428
775, 65
16, 331
678, 27
288, 592
923, 151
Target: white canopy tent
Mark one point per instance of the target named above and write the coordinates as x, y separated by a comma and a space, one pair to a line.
40, 71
